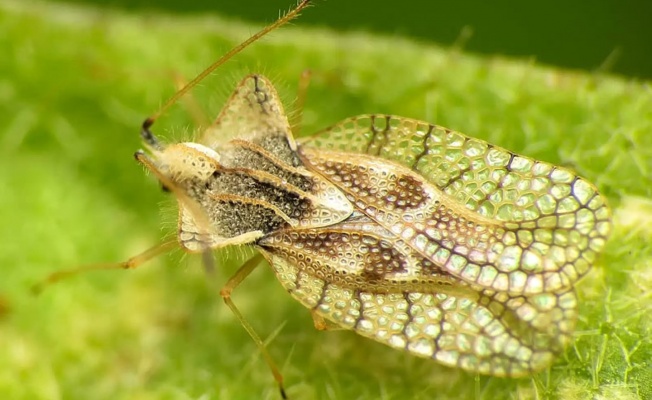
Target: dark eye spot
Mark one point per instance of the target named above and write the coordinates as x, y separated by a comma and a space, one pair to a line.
165, 189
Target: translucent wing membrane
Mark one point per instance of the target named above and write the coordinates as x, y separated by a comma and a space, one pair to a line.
485, 215
362, 277
490, 333
484, 178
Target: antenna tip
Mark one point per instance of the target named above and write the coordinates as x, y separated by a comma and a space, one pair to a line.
147, 135
147, 123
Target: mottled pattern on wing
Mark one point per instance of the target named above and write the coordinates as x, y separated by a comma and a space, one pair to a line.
485, 178
541, 226
254, 110
493, 333
360, 254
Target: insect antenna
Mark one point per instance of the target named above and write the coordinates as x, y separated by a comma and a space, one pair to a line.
187, 204
152, 141
148, 254
147, 135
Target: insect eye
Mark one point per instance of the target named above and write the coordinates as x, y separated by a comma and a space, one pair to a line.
165, 189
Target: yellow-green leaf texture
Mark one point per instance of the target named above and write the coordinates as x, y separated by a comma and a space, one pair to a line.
75, 83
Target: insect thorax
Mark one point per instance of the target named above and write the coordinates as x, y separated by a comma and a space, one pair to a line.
245, 186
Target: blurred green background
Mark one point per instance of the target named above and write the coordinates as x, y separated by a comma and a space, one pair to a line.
76, 82
611, 34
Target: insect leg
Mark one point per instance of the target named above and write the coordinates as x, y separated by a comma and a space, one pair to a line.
232, 283
208, 261
131, 263
322, 324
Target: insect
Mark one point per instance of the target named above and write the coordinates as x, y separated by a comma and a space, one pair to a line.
408, 233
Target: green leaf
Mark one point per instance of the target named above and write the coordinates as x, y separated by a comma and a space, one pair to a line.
75, 84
